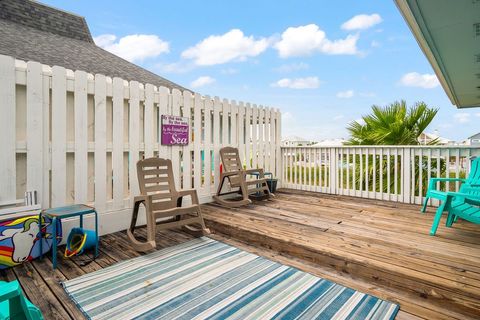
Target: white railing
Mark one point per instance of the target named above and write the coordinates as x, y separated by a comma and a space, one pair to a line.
75, 137
395, 173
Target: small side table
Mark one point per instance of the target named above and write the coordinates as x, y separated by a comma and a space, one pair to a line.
76, 210
272, 182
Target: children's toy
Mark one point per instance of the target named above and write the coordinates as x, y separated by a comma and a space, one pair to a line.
20, 233
14, 305
79, 240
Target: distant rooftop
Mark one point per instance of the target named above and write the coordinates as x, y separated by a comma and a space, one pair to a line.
330, 143
32, 31
294, 138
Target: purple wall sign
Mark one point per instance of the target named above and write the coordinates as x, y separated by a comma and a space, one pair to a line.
174, 130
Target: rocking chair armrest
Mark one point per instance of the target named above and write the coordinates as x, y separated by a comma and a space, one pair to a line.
189, 192
259, 171
465, 197
142, 198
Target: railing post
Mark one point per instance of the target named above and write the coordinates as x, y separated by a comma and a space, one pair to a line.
280, 165
406, 174
333, 172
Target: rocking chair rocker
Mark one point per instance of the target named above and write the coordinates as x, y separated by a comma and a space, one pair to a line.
162, 200
237, 177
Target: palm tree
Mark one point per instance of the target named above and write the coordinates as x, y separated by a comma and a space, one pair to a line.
394, 124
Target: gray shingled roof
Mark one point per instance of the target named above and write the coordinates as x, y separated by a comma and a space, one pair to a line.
32, 31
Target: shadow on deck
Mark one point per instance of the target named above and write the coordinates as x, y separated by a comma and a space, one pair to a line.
378, 247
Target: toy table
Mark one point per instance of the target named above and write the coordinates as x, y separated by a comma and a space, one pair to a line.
76, 210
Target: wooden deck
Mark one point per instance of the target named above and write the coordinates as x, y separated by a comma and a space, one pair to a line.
378, 247
381, 248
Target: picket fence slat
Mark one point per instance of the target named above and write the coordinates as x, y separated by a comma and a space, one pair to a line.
44, 195
149, 133
233, 124
207, 155
216, 139
35, 128
163, 151
197, 140
133, 138
100, 102
81, 137
248, 135
175, 109
7, 123
118, 143
187, 150
261, 144
254, 136
241, 131
59, 131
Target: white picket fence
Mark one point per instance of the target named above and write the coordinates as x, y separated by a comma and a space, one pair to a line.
76, 137
394, 173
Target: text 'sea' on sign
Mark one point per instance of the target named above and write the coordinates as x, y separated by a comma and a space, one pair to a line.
174, 130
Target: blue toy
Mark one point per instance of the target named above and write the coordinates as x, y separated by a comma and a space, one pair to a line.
80, 239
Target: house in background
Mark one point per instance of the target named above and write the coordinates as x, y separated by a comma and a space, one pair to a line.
330, 143
426, 138
295, 141
473, 140
33, 31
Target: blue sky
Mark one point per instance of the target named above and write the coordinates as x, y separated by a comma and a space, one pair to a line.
323, 63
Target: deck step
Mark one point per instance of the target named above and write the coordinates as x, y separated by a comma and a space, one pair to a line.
349, 256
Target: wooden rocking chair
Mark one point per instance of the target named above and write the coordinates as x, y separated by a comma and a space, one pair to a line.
237, 177
162, 200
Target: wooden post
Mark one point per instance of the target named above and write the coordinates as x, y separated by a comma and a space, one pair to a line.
8, 174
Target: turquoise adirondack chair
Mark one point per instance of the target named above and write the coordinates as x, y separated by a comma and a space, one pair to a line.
468, 186
13, 305
465, 206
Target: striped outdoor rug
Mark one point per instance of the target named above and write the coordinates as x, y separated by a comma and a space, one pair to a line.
207, 279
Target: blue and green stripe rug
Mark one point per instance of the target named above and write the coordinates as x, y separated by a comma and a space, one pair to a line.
207, 279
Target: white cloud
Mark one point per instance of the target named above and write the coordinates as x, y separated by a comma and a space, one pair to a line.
286, 68
415, 79
229, 71
298, 83
104, 40
362, 22
345, 94
309, 39
477, 114
231, 46
338, 117
134, 47
202, 81
375, 44
462, 117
